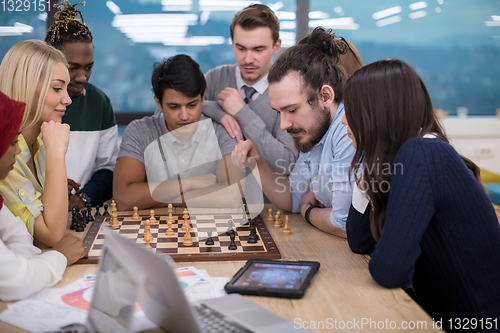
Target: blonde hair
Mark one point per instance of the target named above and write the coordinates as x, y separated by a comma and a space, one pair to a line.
26, 66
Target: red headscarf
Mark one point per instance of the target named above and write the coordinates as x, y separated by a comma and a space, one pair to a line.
11, 115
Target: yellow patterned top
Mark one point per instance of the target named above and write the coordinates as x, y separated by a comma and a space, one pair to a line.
21, 191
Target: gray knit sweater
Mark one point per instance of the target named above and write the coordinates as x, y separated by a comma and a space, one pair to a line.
258, 121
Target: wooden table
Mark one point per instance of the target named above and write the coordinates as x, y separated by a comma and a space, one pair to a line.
343, 293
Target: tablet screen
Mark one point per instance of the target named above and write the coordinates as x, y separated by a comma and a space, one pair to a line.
274, 276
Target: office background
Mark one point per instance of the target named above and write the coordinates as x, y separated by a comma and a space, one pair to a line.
453, 44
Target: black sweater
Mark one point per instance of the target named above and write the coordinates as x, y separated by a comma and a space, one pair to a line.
440, 235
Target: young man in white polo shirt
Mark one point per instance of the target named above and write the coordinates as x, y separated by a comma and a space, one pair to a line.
177, 155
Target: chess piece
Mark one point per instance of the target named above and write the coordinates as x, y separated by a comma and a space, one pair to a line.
252, 238
286, 230
147, 237
170, 211
105, 213
74, 210
232, 245
114, 221
90, 218
210, 240
277, 223
244, 218
230, 229
135, 216
170, 218
185, 225
113, 206
80, 226
185, 214
74, 217
187, 239
84, 218
170, 231
97, 212
152, 219
279, 217
270, 218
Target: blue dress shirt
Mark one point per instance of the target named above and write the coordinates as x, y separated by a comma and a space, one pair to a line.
325, 170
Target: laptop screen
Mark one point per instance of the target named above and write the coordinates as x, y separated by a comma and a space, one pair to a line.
115, 294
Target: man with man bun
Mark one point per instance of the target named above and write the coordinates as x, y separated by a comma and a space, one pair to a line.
306, 90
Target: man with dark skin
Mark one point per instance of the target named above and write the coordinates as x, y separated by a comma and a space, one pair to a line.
93, 144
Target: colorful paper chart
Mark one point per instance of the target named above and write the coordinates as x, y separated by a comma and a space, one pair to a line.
188, 276
185, 273
79, 299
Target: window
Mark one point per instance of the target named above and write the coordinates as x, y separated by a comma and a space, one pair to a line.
453, 45
131, 35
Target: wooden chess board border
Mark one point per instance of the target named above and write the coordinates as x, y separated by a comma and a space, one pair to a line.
272, 251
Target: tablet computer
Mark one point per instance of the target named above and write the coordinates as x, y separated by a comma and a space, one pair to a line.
264, 277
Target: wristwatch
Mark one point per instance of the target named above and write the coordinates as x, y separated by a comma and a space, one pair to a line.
306, 214
85, 198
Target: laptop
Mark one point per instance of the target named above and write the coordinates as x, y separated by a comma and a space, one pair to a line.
129, 274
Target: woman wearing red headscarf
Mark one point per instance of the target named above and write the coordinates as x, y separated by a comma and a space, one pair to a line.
24, 270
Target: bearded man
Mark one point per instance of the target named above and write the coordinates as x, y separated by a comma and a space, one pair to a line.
306, 90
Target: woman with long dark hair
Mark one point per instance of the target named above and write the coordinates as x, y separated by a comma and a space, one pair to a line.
419, 209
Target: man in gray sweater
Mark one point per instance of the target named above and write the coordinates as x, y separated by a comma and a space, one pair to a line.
237, 95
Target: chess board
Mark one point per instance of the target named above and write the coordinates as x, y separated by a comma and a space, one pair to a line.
172, 245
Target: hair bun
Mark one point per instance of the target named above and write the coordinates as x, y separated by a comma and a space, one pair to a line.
326, 42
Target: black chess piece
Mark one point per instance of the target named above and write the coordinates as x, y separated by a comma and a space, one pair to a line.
97, 212
79, 222
75, 210
74, 217
252, 238
105, 213
80, 227
232, 245
210, 240
84, 218
90, 218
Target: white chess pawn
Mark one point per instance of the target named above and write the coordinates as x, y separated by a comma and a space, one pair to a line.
270, 218
136, 216
152, 219
286, 230
170, 231
114, 221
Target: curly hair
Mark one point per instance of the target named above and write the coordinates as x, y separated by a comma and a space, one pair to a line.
67, 28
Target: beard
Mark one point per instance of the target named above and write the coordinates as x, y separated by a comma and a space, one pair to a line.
316, 132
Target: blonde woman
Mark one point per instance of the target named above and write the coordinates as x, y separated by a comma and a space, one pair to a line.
35, 190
